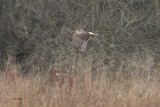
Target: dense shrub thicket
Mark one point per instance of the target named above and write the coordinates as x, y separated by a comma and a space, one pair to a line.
37, 32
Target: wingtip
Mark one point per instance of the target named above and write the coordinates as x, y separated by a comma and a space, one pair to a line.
91, 33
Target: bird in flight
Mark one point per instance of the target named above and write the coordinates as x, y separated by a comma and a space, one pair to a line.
80, 39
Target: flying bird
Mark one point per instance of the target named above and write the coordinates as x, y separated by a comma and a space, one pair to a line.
80, 39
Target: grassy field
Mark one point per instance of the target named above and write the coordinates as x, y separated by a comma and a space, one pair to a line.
81, 89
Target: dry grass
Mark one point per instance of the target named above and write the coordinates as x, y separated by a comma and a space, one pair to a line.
86, 89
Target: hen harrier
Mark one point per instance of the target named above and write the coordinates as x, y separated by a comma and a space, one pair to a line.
80, 39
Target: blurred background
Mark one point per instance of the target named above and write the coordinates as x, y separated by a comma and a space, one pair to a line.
36, 34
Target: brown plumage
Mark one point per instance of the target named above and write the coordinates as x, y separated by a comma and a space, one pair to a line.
80, 39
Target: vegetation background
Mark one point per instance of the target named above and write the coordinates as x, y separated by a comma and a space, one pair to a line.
36, 32
35, 38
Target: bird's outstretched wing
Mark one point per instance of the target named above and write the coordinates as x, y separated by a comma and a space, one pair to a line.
82, 34
83, 46
77, 42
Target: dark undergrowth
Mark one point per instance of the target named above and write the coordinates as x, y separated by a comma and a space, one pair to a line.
37, 33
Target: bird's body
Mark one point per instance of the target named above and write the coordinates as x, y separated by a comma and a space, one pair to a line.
80, 39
